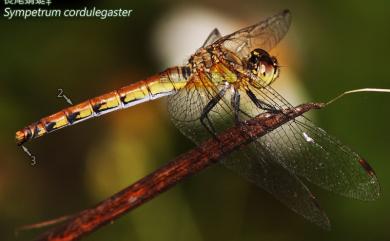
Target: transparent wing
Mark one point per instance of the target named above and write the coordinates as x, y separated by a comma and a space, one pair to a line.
213, 36
251, 162
310, 152
186, 106
265, 35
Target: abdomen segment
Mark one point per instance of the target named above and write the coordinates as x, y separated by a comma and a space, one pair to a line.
163, 84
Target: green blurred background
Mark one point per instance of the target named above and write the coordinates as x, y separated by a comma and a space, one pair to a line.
332, 46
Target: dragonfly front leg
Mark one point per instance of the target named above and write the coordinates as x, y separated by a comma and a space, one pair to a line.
206, 110
261, 104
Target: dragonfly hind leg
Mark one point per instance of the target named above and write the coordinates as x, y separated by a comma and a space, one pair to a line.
235, 102
206, 110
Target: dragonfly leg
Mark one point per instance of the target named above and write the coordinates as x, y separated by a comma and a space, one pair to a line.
209, 126
235, 102
261, 104
206, 110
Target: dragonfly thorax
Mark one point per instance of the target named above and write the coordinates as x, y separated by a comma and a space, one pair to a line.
220, 65
209, 65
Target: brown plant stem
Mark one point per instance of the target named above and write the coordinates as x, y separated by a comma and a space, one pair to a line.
185, 165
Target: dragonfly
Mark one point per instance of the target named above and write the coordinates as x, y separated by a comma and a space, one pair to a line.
226, 82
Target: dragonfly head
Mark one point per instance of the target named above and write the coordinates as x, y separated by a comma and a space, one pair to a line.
263, 66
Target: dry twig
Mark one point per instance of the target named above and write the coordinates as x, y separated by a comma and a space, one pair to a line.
195, 160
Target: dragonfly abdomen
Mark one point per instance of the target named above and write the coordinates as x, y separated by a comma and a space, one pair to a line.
163, 84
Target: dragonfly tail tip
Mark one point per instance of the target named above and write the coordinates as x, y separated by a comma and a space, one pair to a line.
20, 137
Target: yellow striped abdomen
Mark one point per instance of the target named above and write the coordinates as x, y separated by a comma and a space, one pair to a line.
163, 84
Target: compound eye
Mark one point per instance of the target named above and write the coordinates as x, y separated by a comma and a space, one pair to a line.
264, 66
266, 71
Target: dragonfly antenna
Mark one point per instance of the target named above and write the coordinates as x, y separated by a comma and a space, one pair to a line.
356, 91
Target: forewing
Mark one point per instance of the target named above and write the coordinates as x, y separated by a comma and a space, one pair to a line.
310, 152
265, 35
186, 106
213, 36
251, 162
